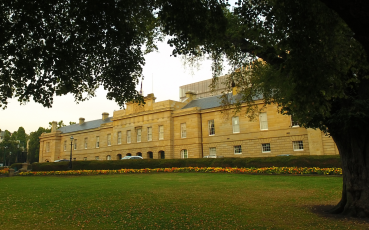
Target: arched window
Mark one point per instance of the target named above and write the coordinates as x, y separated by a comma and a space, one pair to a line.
119, 156
128, 154
139, 154
150, 155
184, 153
108, 157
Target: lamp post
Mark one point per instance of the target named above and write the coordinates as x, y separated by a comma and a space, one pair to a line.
10, 154
71, 146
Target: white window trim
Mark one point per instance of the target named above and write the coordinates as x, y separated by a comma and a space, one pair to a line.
262, 149
85, 144
97, 144
138, 131
210, 151
109, 139
149, 133
211, 128
65, 146
182, 153
183, 130
237, 125
293, 146
234, 149
119, 138
129, 136
292, 125
75, 144
161, 134
266, 121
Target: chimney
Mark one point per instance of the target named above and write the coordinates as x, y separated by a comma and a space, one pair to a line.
190, 95
53, 126
105, 115
81, 121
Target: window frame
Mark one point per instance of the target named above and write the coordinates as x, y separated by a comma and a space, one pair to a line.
85, 142
161, 132
235, 124
119, 138
237, 147
183, 130
266, 146
211, 127
65, 146
184, 153
129, 137
108, 139
97, 144
213, 151
299, 144
149, 133
138, 135
75, 144
263, 121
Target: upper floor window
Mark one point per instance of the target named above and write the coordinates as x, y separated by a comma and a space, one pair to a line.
97, 142
184, 153
294, 123
298, 145
183, 130
128, 136
119, 138
65, 145
211, 127
161, 132
263, 121
86, 143
236, 124
75, 144
139, 135
149, 133
109, 139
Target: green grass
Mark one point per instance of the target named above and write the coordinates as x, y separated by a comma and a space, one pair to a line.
171, 201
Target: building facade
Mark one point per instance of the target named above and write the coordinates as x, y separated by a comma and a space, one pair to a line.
193, 128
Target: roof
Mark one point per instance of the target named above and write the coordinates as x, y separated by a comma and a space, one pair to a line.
211, 102
86, 125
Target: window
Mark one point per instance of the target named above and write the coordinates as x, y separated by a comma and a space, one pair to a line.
265, 148
75, 144
298, 145
119, 138
184, 153
65, 145
86, 143
236, 124
128, 136
263, 121
74, 159
161, 132
47, 146
212, 151
183, 130
237, 149
109, 139
294, 123
149, 133
139, 135
211, 127
97, 142
85, 158
108, 157
97, 158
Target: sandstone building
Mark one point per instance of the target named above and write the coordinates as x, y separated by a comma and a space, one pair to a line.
191, 128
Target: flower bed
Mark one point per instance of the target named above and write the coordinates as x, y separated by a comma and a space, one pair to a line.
4, 171
266, 170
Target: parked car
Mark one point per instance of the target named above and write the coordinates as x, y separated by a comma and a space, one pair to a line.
61, 160
131, 157
210, 156
284, 155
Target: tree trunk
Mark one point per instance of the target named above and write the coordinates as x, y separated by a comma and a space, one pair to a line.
353, 147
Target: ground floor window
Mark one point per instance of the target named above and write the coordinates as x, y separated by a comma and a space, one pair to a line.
85, 158
139, 154
108, 157
237, 149
212, 151
298, 145
265, 148
97, 158
184, 153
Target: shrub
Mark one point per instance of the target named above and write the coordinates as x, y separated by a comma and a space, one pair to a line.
257, 162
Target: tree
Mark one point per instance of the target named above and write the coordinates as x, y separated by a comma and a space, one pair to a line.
313, 69
34, 144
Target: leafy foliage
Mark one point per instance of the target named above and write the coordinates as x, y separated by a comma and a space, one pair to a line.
34, 144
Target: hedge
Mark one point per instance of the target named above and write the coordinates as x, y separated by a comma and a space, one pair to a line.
257, 162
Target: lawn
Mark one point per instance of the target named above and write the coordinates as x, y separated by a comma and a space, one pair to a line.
171, 201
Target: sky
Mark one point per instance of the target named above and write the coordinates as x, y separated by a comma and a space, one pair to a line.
163, 75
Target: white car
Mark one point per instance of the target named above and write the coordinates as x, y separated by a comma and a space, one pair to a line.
131, 157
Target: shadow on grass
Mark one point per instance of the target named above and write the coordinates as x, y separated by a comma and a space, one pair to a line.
323, 211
